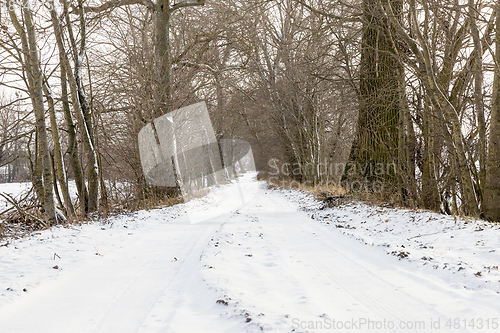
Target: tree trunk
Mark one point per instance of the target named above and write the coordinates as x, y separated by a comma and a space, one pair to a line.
161, 23
73, 145
76, 98
89, 140
36, 171
478, 92
381, 82
430, 191
34, 74
58, 156
491, 207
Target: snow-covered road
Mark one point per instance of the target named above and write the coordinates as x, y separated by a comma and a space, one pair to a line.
262, 265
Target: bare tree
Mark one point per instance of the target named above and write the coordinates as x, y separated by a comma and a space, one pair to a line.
161, 11
42, 172
492, 185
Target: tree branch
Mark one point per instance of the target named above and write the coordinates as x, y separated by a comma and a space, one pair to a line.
22, 211
329, 15
118, 3
186, 3
205, 66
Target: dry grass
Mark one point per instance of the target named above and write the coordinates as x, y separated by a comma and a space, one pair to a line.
327, 189
117, 207
327, 192
320, 190
17, 225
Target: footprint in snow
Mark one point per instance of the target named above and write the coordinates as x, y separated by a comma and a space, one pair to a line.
270, 264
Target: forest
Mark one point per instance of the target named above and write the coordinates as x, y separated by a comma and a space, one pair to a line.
395, 99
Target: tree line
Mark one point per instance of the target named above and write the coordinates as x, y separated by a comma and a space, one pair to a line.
407, 83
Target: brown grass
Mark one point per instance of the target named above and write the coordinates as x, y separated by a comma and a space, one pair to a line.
388, 197
319, 190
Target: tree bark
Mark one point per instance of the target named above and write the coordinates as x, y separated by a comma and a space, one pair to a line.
161, 22
77, 99
381, 82
491, 207
58, 156
430, 191
93, 177
74, 160
34, 74
478, 92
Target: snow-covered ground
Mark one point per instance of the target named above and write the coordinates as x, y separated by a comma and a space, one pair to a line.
249, 259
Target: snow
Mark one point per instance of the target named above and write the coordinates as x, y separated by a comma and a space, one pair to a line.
464, 248
13, 189
246, 258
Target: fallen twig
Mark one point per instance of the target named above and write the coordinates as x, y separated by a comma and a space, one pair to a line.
20, 210
434, 233
7, 210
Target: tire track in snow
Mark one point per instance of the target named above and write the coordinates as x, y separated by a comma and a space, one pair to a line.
272, 259
114, 293
132, 309
339, 277
357, 299
291, 234
183, 301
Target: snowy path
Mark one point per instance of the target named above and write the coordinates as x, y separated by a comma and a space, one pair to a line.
140, 287
270, 267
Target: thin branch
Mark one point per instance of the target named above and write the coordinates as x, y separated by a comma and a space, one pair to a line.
20, 210
329, 15
187, 3
12, 102
205, 66
6, 211
12, 160
117, 3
